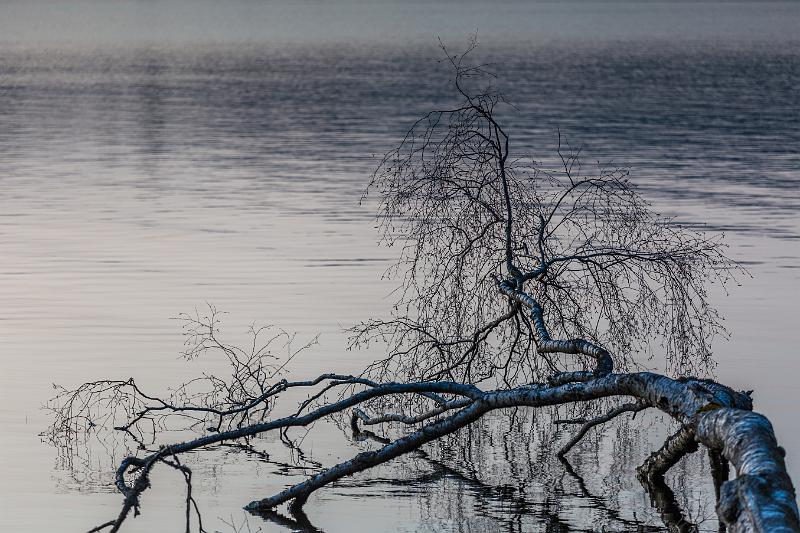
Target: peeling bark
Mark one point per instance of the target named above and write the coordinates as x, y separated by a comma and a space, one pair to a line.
761, 497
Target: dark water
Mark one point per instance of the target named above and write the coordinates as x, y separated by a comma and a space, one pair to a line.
155, 157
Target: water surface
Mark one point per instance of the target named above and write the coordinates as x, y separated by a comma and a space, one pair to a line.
158, 156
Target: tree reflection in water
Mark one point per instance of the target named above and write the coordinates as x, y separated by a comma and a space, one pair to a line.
504, 475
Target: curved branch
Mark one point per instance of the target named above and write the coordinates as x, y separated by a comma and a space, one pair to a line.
761, 497
604, 363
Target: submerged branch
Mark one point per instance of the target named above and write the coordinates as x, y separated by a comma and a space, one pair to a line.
760, 498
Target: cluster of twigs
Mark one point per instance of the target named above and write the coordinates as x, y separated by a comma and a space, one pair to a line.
587, 246
206, 403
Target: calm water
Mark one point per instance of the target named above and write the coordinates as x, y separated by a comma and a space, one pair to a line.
157, 156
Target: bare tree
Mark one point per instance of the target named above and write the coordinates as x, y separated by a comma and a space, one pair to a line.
538, 282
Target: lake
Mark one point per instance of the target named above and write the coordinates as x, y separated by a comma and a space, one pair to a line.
158, 156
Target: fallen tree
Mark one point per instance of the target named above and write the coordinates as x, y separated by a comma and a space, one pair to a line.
547, 285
